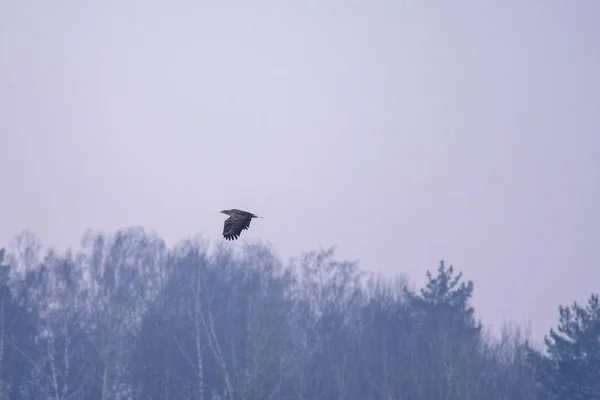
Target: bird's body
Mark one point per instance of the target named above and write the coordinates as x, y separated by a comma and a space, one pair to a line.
238, 221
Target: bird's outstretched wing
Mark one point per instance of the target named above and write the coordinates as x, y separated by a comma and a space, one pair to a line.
234, 225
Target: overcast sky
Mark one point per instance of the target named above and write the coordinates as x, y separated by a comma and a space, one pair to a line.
404, 132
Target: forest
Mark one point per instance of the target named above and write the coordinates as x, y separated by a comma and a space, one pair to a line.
124, 316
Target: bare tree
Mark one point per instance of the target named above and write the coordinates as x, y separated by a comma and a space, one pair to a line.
125, 318
15, 333
50, 290
329, 295
123, 274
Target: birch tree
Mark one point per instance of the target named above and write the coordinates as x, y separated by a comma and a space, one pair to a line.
123, 274
16, 336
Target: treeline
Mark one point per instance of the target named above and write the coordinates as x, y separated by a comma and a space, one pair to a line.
124, 317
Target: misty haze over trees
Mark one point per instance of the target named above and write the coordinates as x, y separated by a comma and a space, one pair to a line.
125, 317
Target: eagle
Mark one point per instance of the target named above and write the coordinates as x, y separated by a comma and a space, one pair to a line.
238, 220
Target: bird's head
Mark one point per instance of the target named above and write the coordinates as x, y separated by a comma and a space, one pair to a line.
226, 212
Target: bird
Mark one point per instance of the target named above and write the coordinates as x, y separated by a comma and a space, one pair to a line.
238, 220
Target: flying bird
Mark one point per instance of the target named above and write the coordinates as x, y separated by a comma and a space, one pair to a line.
238, 220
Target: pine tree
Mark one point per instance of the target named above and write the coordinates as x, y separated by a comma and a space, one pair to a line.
571, 368
446, 358
445, 300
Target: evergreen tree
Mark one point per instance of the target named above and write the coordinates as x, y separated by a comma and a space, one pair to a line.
445, 301
447, 338
571, 367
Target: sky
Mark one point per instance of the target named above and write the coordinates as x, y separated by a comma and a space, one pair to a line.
401, 132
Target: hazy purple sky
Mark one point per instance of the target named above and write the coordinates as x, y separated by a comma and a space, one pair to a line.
404, 132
